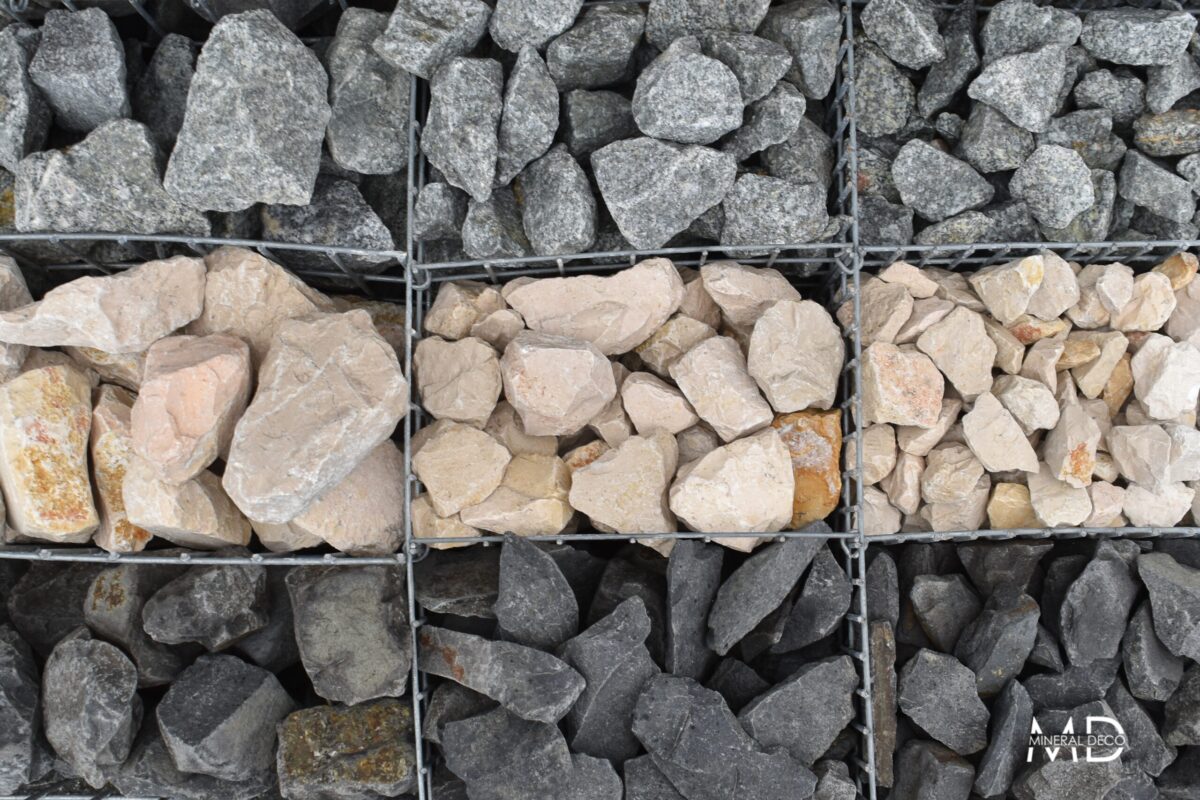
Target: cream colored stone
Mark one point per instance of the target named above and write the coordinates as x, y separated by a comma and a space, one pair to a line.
1151, 306
714, 379
1098, 411
110, 449
1040, 361
1010, 353
1092, 377
457, 380
904, 388
1006, 289
1030, 402
555, 383
196, 513
1184, 322
1166, 376
879, 452
697, 304
1114, 285
1059, 289
880, 518
505, 426
668, 344
390, 319
585, 454
1180, 269
1058, 504
911, 278
615, 313
625, 489
282, 538
247, 296
13, 294
1027, 329
427, 525
1185, 452
953, 286
612, 424
498, 328
40, 359
329, 391
903, 483
1142, 453
919, 441
745, 486
422, 436
460, 466
743, 293
966, 515
459, 305
961, 348
654, 405
696, 441
1010, 508
814, 441
925, 313
951, 472
1077, 352
1070, 449
531, 500
1108, 502
123, 369
1119, 386
194, 391
1159, 507
995, 437
511, 286
796, 355
884, 309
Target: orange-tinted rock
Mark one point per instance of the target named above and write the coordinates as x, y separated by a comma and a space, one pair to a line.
814, 441
111, 448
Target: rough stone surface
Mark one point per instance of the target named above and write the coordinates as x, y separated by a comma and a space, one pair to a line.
626, 488
743, 293
1145, 183
598, 49
1151, 670
761, 209
79, 68
944, 605
961, 348
1055, 183
1024, 86
713, 376
810, 30
196, 513
461, 133
935, 184
790, 380
938, 693
996, 644
902, 388
1137, 36
212, 605
459, 380
500, 755
906, 30
1007, 289
806, 712
559, 211
685, 96
519, 23
529, 117
813, 440
535, 605
556, 383
423, 34
26, 119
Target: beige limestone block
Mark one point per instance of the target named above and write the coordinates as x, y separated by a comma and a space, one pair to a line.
884, 309
1114, 284
1006, 289
390, 319
879, 452
903, 483
919, 441
668, 344
122, 313
111, 448
1077, 352
505, 426
555, 383
531, 500
925, 313
195, 513
1093, 376
1166, 376
1098, 411
282, 537
1180, 269
953, 286
742, 292
951, 472
329, 391
1040, 362
615, 313
745, 486
1160, 507
697, 303
961, 348
1032, 405
1108, 503
1010, 508
994, 436
1059, 289
967, 514
194, 391
1066, 393
1119, 385
1028, 330
247, 296
1070, 449
460, 466
423, 435
612, 424
911, 278
123, 369
45, 420
498, 328
427, 525
459, 305
511, 286
880, 518
1105, 469
14, 293
1056, 503
1149, 309
579, 457
1185, 452
714, 379
654, 405
903, 388
814, 441
796, 355
625, 489
696, 441
1010, 353
457, 380
1142, 453
1184, 322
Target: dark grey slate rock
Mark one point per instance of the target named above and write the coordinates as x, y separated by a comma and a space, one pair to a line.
991, 143
767, 633
212, 605
883, 223
80, 69
644, 781
352, 631
227, 158
1046, 651
516, 24
1012, 714
938, 693
460, 137
769, 121
46, 603
113, 611
1175, 600
108, 182
1186, 551
581, 569
1119, 91
966, 228
535, 605
1066, 778
1156, 227
598, 49
885, 97
592, 119
685, 96
1170, 83
756, 62
1088, 133
905, 30
926, 769
90, 707
1152, 671
883, 589
1096, 607
1134, 785
996, 645
1012, 222
529, 118
1181, 780
493, 228
337, 215
638, 573
1073, 686
150, 772
1174, 133
736, 682
439, 212
25, 119
1023, 87
1146, 748
944, 605
464, 583
500, 756
946, 78
935, 184
448, 787
20, 712
807, 156
451, 702
806, 712
693, 578
655, 189
368, 132
159, 97
422, 35
993, 564
1181, 725
219, 718
833, 781
274, 646
765, 210
1139, 37
559, 210
532, 684
811, 31
593, 779
1018, 26
757, 587
668, 20
821, 605
1156, 188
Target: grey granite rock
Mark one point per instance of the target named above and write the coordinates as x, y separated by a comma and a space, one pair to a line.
1170, 83
159, 97
46, 603
833, 781
905, 30
150, 772
685, 96
422, 35
1056, 185
516, 24
439, 212
212, 605
736, 682
949, 126
529, 118
1079, 62
1152, 671
529, 683
820, 606
756, 62
885, 97
997, 643
337, 215
693, 578
930, 771
655, 189
108, 182
644, 781
113, 611
769, 121
806, 712
493, 228
592, 119
1145, 183
598, 50
1012, 222
1175, 601
352, 631
944, 605
234, 151
1094, 224
90, 707
219, 718
807, 156
811, 31
1018, 26
993, 564
273, 647
1089, 133
1096, 608
535, 605
1173, 133
968, 227
946, 78
1012, 715
1120, 91
451, 702
938, 693
884, 223
937, 185
500, 756
559, 213
1139, 37
20, 712
464, 583
461, 137
991, 143
766, 210
1073, 686
80, 69
25, 118
1146, 748
1023, 87
668, 20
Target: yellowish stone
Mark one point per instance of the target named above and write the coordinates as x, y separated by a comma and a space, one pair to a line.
1010, 508
813, 440
111, 449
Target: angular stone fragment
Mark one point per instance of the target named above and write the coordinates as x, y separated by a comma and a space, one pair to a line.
654, 405
880, 518
996, 438
1030, 402
948, 76
1152, 671
961, 348
1055, 183
906, 31
993, 144
1070, 448
535, 606
687, 97
196, 513
557, 384
997, 643
1024, 86
1149, 308
1137, 36
597, 50
693, 578
519, 23
761, 209
937, 185
422, 34
938, 693
820, 606
337, 215
1142, 453
794, 380
461, 134
528, 119
1056, 503
1162, 506
951, 472
926, 769
944, 605
744, 293
1011, 507
1174, 589
886, 97
159, 95
212, 605
459, 381
438, 213
531, 499
813, 440
499, 755
713, 376
903, 485
559, 210
806, 712
80, 69
1007, 289
1012, 717
26, 118
809, 29
1166, 376
46, 604
1145, 183
903, 388
20, 712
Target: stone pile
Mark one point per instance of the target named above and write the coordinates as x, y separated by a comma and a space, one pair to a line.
200, 401
702, 676
650, 400
555, 128
974, 644
207, 681
1031, 394
1025, 122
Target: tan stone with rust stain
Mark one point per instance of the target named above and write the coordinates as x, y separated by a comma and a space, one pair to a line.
903, 388
814, 441
111, 449
1028, 330
457, 380
459, 306
557, 384
1056, 503
585, 454
625, 489
743, 292
427, 526
1070, 449
668, 344
1092, 377
1180, 269
531, 499
460, 466
714, 379
196, 513
1011, 508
